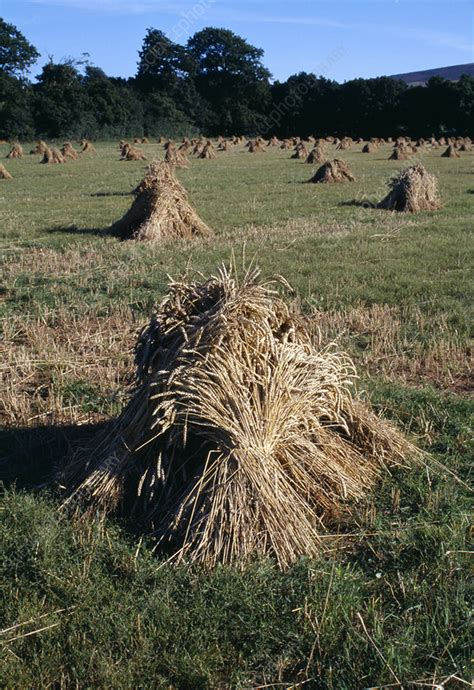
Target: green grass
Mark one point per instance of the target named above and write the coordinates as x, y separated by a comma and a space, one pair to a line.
388, 602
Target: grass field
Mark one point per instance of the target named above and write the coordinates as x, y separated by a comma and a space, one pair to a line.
90, 605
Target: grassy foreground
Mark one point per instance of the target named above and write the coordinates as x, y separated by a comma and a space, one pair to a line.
90, 605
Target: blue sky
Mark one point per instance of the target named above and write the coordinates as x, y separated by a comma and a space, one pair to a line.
340, 39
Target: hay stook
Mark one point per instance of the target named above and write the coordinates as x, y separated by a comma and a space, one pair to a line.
242, 438
411, 190
160, 211
336, 170
4, 174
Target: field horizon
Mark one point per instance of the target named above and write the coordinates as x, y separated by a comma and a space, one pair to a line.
90, 603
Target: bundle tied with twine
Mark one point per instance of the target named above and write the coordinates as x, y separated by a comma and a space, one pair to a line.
52, 156
336, 170
317, 155
4, 174
68, 151
176, 157
208, 152
450, 152
160, 210
86, 146
131, 153
300, 152
370, 147
40, 147
16, 151
242, 437
401, 152
411, 190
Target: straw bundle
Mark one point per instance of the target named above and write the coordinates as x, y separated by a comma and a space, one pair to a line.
317, 155
336, 170
301, 153
256, 146
68, 151
15, 152
160, 210
413, 189
4, 174
53, 156
131, 153
450, 152
401, 152
370, 148
40, 147
345, 144
185, 145
87, 147
208, 152
175, 158
198, 148
242, 438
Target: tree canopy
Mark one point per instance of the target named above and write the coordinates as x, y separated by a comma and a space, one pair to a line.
17, 54
216, 83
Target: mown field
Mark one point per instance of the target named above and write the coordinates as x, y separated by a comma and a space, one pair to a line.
90, 604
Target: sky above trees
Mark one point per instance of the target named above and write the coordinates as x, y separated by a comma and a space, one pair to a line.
339, 39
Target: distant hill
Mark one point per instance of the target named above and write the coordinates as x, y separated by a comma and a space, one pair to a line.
452, 73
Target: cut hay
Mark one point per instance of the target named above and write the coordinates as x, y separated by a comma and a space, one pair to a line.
131, 153
450, 152
301, 153
256, 147
243, 439
336, 170
274, 141
160, 211
344, 145
317, 155
400, 153
411, 190
68, 151
15, 152
208, 152
175, 158
370, 147
185, 145
40, 148
198, 148
53, 156
87, 147
4, 174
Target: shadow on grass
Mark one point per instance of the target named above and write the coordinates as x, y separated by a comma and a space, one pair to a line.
363, 203
74, 230
111, 193
31, 456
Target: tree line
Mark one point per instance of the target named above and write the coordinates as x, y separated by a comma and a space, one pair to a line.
215, 84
